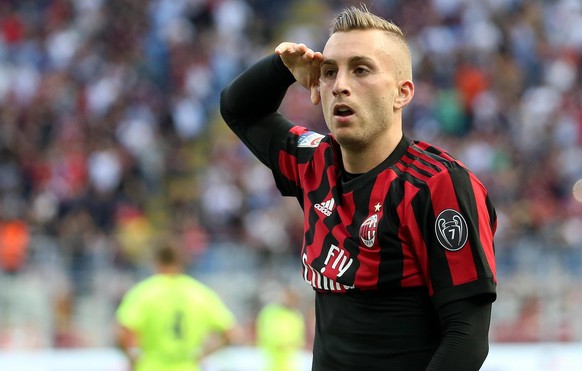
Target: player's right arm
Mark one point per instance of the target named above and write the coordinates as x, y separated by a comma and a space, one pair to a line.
249, 104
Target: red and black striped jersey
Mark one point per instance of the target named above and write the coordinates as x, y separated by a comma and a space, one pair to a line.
419, 219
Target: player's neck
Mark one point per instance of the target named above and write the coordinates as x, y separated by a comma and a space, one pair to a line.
361, 161
169, 270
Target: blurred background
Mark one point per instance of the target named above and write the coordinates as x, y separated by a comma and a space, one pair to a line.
110, 136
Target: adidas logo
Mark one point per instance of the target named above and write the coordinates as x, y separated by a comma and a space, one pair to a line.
326, 207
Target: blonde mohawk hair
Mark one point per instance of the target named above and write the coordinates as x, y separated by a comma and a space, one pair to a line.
361, 18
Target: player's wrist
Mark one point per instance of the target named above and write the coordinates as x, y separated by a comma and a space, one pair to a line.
133, 353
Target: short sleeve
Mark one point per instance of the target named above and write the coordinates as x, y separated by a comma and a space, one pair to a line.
457, 222
219, 316
130, 312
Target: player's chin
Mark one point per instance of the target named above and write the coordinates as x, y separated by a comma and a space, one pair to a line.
348, 138
343, 123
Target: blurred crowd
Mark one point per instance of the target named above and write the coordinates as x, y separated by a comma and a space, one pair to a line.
110, 136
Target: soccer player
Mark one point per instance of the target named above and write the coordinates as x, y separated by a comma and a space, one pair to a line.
281, 332
398, 235
167, 320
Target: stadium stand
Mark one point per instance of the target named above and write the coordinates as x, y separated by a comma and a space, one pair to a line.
110, 135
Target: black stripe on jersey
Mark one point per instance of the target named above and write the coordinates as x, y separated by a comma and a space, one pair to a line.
492, 213
422, 161
440, 273
361, 204
416, 168
422, 207
468, 207
392, 259
315, 196
435, 151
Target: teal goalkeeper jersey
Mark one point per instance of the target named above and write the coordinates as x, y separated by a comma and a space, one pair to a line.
172, 316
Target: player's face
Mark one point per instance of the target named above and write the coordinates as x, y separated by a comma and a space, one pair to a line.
359, 86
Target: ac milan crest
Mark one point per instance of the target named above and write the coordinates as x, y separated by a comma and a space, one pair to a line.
368, 230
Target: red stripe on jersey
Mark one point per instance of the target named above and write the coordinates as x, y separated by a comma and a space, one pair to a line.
485, 231
298, 130
314, 181
288, 167
327, 278
461, 263
315, 249
288, 162
415, 271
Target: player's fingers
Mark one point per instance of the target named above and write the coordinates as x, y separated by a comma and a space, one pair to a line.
313, 57
289, 47
300, 48
283, 47
318, 57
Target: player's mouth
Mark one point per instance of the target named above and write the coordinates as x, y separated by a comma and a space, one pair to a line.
342, 112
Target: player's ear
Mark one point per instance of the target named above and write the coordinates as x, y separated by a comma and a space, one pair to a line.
315, 95
405, 94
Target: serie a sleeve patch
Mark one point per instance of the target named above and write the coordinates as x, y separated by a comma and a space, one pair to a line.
309, 139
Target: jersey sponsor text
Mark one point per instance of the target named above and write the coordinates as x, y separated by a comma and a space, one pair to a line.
321, 282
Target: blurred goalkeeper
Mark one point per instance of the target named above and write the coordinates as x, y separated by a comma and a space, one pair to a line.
170, 321
398, 235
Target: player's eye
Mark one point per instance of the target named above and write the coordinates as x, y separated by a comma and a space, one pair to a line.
328, 73
360, 70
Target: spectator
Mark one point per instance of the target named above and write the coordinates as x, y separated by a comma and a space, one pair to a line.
281, 331
78, 77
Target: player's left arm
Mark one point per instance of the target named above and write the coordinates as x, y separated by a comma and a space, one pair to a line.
222, 339
127, 341
459, 222
465, 342
129, 316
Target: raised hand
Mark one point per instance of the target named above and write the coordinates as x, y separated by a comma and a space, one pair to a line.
304, 64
